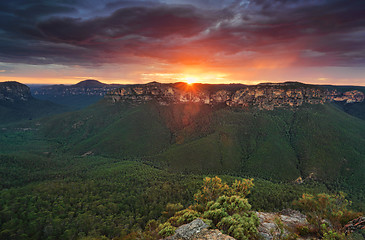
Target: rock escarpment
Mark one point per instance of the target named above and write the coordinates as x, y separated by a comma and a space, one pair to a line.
263, 96
14, 92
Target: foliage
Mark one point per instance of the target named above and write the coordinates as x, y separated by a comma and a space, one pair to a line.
322, 208
166, 229
232, 215
221, 206
213, 188
303, 230
282, 234
331, 207
49, 190
171, 209
184, 216
27, 110
112, 200
330, 234
239, 227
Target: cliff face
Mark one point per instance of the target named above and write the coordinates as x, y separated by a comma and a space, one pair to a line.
14, 92
263, 96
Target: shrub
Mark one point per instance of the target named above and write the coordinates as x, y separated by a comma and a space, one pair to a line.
328, 213
184, 216
220, 206
171, 209
330, 234
166, 229
333, 208
212, 188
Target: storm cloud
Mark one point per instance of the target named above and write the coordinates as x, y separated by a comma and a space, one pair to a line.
243, 33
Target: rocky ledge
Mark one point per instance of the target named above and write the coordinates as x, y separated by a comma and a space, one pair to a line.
198, 230
13, 92
263, 96
268, 229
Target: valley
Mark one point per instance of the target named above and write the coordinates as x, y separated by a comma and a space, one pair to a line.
110, 168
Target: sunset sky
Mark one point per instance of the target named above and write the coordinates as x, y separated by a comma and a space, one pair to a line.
215, 41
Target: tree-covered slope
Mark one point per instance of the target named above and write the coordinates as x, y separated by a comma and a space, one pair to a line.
17, 103
148, 155
317, 141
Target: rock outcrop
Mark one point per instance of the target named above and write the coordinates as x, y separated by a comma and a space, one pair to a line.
198, 230
268, 229
290, 220
14, 92
263, 96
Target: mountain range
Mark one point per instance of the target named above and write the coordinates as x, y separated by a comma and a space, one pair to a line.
275, 131
75, 96
156, 141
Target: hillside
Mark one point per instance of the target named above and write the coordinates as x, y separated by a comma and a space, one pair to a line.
110, 168
312, 140
355, 109
17, 103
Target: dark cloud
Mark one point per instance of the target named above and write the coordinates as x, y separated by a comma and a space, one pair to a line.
95, 32
156, 22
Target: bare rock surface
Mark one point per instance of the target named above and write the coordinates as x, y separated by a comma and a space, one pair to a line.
213, 234
264, 96
290, 219
198, 230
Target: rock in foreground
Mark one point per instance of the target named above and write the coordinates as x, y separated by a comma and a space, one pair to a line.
198, 230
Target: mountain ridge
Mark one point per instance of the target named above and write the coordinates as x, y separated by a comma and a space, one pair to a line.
264, 96
76, 96
12, 91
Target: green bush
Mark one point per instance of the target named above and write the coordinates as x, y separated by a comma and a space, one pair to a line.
221, 206
333, 208
328, 213
166, 229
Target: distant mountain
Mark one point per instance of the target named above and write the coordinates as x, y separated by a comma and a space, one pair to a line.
12, 92
90, 83
17, 103
75, 96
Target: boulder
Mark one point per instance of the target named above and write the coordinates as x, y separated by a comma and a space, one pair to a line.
198, 230
290, 219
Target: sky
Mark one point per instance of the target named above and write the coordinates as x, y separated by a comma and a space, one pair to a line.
210, 41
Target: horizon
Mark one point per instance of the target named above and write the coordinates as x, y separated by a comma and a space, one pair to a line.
216, 42
237, 83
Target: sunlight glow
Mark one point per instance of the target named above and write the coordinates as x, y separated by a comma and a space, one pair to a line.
191, 79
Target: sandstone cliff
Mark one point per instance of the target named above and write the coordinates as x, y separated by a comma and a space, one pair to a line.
263, 96
13, 92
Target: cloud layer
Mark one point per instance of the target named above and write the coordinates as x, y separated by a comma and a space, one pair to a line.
256, 33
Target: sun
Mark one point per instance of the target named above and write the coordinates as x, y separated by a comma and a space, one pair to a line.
191, 79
